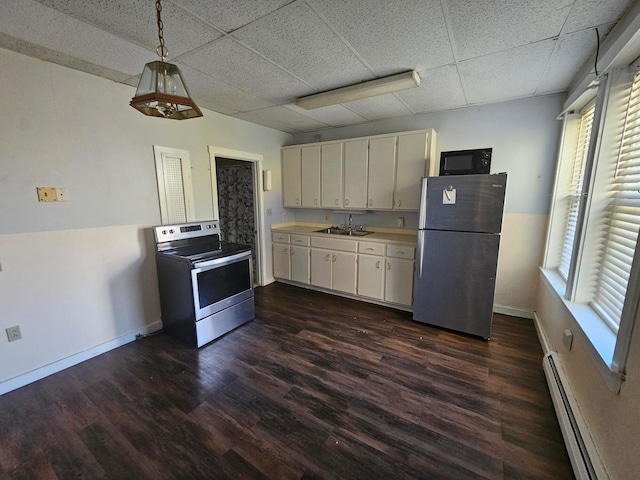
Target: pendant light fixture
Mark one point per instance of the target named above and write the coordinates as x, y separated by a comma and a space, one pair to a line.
162, 91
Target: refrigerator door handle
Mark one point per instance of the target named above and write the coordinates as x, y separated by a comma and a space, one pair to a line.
420, 251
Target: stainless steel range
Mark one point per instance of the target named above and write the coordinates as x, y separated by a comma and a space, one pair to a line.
206, 285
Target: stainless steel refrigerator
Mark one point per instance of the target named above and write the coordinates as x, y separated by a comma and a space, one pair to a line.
458, 240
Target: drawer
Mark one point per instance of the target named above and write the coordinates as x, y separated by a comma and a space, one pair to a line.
334, 244
279, 237
401, 251
371, 248
299, 240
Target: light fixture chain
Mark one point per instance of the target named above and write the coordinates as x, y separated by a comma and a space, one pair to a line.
161, 50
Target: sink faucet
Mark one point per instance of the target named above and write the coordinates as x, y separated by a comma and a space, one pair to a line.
350, 223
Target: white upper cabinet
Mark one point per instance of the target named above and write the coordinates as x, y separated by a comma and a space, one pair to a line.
311, 176
332, 176
412, 152
382, 172
291, 177
356, 168
382, 169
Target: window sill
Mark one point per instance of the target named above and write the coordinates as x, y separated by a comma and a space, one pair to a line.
599, 340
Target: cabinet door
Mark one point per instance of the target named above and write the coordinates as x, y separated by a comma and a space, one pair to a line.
321, 268
398, 283
291, 178
331, 166
382, 168
281, 261
356, 163
311, 176
344, 272
411, 164
300, 264
371, 276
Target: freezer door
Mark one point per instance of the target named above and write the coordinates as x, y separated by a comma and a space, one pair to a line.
465, 203
455, 280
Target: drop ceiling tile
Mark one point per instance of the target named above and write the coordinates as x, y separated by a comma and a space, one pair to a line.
394, 35
231, 62
227, 15
298, 40
587, 13
379, 107
440, 89
571, 52
39, 25
135, 21
489, 26
504, 75
212, 90
281, 118
333, 115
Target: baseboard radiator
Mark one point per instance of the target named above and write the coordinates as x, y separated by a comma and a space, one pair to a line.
584, 457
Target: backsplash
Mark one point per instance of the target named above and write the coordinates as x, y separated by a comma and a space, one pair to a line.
368, 219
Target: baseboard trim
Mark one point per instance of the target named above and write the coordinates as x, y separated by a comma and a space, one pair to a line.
57, 366
513, 312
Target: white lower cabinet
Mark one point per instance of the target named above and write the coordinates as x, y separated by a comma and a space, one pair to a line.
281, 261
378, 271
371, 276
300, 264
398, 282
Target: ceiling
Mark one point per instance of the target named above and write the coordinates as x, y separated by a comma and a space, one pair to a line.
251, 58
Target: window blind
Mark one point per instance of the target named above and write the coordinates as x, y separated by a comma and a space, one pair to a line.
575, 196
622, 216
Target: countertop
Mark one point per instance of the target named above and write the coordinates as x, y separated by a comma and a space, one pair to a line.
378, 235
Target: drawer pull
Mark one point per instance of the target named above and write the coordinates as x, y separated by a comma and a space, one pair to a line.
378, 264
369, 248
400, 252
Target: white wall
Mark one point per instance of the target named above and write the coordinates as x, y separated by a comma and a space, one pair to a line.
524, 135
612, 418
81, 274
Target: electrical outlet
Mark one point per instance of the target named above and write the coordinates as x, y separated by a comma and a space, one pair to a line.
13, 333
327, 217
284, 216
400, 222
269, 212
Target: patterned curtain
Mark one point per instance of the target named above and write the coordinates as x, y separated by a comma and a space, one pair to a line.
235, 205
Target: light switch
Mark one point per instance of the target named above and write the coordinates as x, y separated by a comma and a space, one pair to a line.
449, 196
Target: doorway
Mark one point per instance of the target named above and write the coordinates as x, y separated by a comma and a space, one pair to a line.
237, 200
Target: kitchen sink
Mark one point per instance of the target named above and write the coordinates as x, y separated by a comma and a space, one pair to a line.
342, 231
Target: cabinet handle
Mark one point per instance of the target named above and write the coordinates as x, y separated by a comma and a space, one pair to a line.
371, 202
286, 251
315, 202
327, 258
346, 201
292, 252
378, 264
337, 202
388, 265
297, 200
334, 258
399, 203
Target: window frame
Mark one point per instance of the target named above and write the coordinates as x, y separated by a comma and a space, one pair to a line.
607, 348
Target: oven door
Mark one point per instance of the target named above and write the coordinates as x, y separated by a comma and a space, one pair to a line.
221, 283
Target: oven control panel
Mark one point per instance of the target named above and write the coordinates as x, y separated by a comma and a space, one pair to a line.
168, 233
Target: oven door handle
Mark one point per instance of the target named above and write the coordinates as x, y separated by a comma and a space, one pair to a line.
219, 262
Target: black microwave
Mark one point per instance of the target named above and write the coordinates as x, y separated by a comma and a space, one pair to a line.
465, 162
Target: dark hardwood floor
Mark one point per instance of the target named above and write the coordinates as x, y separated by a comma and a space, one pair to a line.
316, 386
